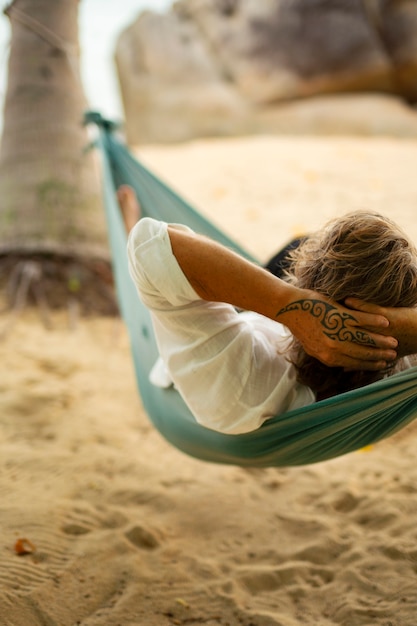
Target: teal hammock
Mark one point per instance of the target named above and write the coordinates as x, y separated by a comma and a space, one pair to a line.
318, 432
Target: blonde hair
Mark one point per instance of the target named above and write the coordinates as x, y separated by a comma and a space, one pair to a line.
362, 255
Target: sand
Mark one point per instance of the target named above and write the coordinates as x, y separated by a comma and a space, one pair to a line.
125, 530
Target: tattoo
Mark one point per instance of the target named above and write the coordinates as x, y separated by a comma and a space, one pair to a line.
334, 323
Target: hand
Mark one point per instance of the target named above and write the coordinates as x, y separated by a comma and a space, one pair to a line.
338, 336
402, 323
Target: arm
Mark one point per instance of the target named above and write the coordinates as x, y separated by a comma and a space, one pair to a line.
328, 331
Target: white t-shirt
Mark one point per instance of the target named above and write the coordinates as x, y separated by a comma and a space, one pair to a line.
229, 367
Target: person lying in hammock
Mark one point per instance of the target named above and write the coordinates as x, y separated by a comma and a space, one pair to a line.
297, 341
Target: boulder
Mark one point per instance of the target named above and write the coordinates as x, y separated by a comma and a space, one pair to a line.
365, 115
396, 23
276, 50
171, 87
227, 67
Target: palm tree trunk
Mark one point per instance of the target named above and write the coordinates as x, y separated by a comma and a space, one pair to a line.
49, 188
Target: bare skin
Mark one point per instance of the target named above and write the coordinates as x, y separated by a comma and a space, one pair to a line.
402, 323
334, 334
129, 206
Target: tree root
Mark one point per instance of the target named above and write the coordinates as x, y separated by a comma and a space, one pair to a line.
25, 278
48, 283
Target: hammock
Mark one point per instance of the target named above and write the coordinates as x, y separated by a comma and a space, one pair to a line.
315, 433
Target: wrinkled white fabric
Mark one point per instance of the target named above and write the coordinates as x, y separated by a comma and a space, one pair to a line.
229, 367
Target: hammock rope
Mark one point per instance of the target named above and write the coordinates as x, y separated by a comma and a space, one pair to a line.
71, 51
315, 433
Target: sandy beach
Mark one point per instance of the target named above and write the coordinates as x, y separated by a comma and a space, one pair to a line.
120, 529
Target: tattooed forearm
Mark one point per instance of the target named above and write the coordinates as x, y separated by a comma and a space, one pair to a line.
335, 323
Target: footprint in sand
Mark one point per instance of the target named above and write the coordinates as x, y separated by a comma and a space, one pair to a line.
83, 521
142, 538
345, 502
266, 579
154, 498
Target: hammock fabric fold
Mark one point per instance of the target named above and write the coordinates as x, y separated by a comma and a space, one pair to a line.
315, 433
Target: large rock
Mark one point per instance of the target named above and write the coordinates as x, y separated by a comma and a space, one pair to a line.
396, 22
224, 67
171, 86
369, 115
276, 50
